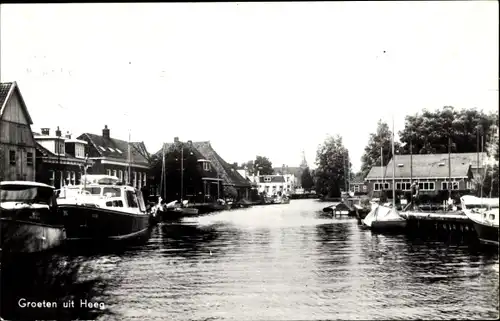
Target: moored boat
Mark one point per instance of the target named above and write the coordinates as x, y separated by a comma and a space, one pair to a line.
384, 219
484, 214
102, 209
175, 210
29, 218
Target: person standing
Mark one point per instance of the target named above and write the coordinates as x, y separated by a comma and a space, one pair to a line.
415, 195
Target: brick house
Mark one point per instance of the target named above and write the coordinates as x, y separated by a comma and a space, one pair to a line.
60, 160
234, 185
112, 156
200, 181
430, 170
17, 145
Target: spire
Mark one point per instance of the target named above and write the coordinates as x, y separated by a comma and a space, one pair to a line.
303, 164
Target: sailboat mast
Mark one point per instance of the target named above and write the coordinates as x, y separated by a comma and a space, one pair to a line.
449, 166
382, 165
393, 168
162, 170
128, 159
182, 170
477, 164
483, 177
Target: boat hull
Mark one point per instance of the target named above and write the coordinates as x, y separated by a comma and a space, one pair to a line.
487, 234
177, 214
394, 226
18, 236
99, 224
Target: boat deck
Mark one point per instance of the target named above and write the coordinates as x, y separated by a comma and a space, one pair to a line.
455, 216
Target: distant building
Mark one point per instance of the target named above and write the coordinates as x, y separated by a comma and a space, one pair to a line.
272, 184
118, 157
358, 186
430, 170
60, 160
17, 145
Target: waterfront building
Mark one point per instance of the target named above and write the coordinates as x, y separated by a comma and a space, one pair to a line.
200, 181
129, 161
274, 184
60, 161
17, 145
358, 186
430, 170
235, 185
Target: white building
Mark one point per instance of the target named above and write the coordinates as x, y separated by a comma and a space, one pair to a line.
272, 184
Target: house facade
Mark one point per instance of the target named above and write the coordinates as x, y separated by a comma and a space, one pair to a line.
276, 184
358, 186
431, 171
294, 175
200, 182
129, 161
17, 145
60, 161
235, 186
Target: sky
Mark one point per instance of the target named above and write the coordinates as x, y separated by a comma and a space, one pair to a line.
270, 79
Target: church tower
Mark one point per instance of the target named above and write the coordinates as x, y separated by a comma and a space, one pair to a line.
303, 163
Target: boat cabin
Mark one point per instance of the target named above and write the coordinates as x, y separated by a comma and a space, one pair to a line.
103, 191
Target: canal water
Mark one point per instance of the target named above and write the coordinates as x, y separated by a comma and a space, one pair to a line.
275, 262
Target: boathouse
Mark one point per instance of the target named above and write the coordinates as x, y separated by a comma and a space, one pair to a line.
200, 181
234, 185
17, 145
430, 170
129, 161
60, 161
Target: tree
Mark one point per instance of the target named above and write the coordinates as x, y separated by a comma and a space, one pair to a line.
250, 167
263, 165
331, 159
381, 139
429, 131
307, 180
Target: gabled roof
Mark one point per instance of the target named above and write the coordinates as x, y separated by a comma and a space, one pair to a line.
116, 149
171, 147
226, 171
427, 165
47, 153
274, 179
7, 89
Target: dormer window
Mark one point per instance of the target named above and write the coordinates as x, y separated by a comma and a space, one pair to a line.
111, 149
267, 179
102, 148
206, 166
119, 151
400, 165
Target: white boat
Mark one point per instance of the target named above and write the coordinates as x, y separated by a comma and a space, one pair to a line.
29, 218
484, 214
383, 218
102, 209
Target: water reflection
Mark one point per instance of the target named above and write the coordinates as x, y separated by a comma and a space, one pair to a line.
50, 279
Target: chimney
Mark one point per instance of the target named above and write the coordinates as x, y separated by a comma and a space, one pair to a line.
46, 131
68, 135
58, 132
176, 139
105, 132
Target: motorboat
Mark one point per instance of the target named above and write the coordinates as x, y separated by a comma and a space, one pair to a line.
384, 219
102, 209
29, 219
175, 210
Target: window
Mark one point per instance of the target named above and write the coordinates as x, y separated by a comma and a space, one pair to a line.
135, 179
61, 178
108, 172
93, 190
111, 149
356, 188
132, 199
114, 173
102, 148
52, 177
12, 157
68, 177
79, 178
426, 186
120, 175
267, 179
126, 177
454, 185
376, 186
288, 186
144, 179
206, 166
79, 151
404, 186
139, 180
469, 185
29, 159
119, 151
112, 192
73, 178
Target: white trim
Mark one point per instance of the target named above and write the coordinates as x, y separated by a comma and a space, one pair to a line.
105, 161
414, 178
54, 160
211, 179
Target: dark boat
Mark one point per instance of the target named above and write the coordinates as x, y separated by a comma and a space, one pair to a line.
103, 210
484, 216
29, 218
